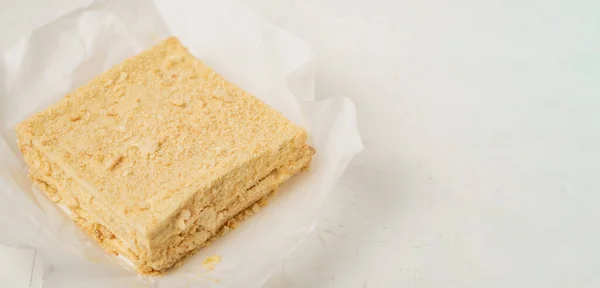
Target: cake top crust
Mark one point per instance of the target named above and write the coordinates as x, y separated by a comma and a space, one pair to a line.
151, 132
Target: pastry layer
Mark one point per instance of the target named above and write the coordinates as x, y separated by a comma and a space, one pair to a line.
197, 235
196, 217
60, 189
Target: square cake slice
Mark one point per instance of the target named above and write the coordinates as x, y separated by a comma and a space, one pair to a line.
156, 155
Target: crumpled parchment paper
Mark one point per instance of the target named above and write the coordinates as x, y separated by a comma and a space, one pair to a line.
261, 58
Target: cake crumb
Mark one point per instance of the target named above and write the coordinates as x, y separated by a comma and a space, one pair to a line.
211, 262
255, 208
176, 101
146, 146
114, 162
74, 117
122, 77
186, 214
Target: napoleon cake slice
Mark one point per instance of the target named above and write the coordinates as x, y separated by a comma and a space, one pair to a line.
156, 155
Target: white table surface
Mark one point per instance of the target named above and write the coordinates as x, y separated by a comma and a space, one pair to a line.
481, 136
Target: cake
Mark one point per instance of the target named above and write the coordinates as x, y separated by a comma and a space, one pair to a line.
154, 157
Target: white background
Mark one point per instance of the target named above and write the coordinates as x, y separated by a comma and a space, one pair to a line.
481, 134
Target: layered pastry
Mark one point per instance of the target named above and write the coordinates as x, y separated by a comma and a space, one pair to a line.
156, 155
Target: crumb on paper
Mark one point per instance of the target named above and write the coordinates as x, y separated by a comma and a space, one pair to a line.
207, 278
211, 262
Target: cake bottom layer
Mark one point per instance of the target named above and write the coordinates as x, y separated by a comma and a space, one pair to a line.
186, 243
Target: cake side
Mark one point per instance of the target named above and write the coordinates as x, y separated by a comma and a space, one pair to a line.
160, 257
65, 191
207, 204
168, 254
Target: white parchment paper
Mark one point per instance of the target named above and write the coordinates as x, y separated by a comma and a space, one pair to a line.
261, 58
